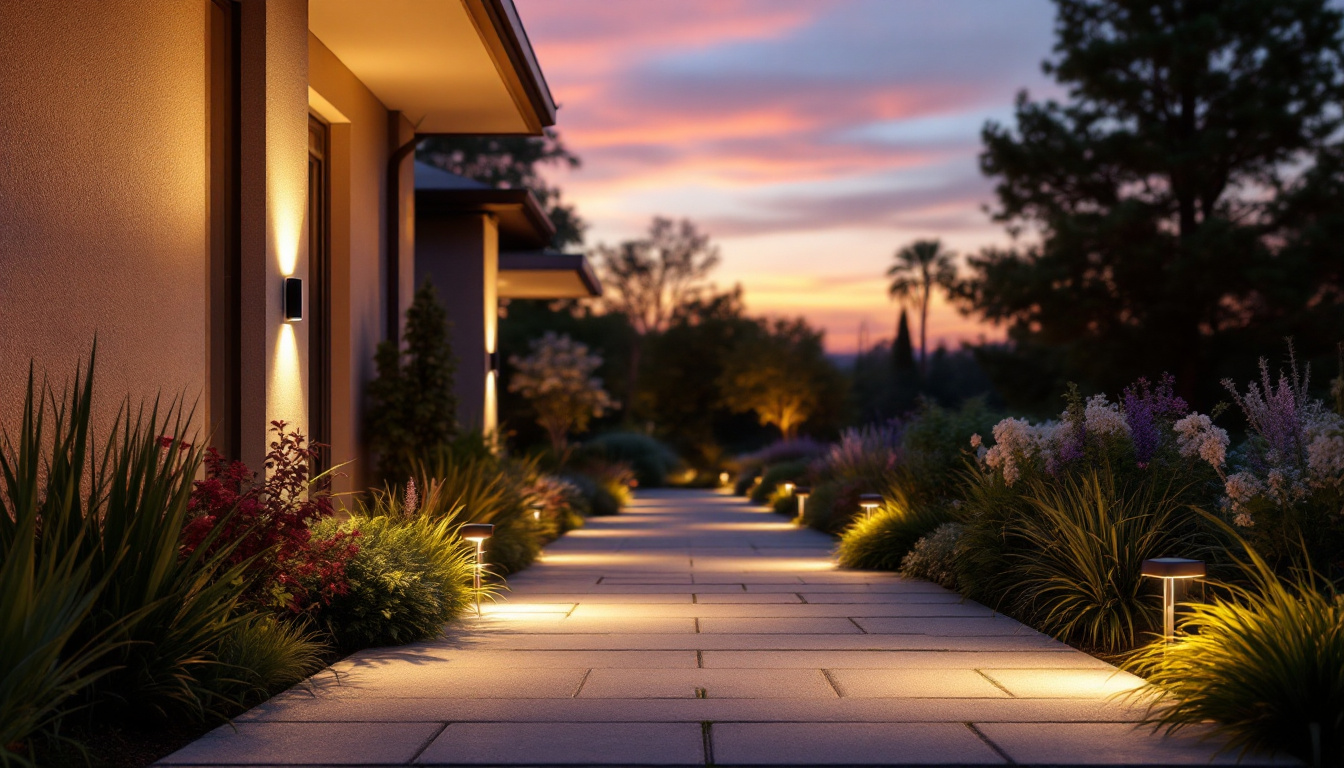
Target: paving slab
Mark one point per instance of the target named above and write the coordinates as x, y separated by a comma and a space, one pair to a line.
850, 744
567, 744
307, 743
1112, 744
695, 627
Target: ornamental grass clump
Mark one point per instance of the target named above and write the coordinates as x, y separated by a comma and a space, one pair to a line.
881, 540
1078, 554
1263, 661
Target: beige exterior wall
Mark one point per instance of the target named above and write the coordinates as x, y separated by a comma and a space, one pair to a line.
361, 146
103, 218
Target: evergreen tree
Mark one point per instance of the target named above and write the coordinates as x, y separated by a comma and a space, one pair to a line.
412, 407
1150, 191
905, 381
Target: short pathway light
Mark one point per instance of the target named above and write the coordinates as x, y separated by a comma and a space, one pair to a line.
1169, 569
723, 478
802, 492
869, 502
478, 533
788, 488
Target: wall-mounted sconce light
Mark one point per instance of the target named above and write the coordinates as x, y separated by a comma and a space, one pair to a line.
493, 362
293, 297
1169, 569
477, 533
802, 492
869, 502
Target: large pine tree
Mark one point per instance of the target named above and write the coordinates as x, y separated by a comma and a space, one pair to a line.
1149, 195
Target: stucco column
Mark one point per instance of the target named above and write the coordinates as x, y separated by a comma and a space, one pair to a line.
274, 229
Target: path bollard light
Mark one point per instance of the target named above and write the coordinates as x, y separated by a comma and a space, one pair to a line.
869, 502
536, 514
1169, 569
788, 488
477, 533
724, 477
802, 492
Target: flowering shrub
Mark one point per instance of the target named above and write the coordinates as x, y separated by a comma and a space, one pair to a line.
268, 521
558, 380
865, 453
1148, 428
1287, 484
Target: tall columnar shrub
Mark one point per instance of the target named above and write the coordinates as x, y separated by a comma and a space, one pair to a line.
412, 405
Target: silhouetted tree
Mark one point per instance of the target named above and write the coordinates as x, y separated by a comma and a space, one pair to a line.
1151, 190
905, 376
512, 162
920, 267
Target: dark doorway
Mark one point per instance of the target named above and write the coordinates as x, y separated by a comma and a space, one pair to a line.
319, 291
225, 269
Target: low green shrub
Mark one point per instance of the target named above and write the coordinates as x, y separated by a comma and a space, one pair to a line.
649, 459
881, 540
1264, 662
775, 476
409, 577
746, 478
934, 557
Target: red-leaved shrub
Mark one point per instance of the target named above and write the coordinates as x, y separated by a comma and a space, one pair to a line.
268, 518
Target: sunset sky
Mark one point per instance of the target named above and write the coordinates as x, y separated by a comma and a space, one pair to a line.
811, 139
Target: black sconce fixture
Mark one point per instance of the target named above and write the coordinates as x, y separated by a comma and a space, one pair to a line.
494, 362
293, 299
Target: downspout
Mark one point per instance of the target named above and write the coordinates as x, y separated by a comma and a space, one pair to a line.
394, 235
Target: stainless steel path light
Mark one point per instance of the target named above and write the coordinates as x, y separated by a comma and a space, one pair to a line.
802, 492
1169, 569
477, 533
869, 502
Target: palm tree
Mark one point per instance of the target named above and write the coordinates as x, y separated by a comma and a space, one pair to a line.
919, 267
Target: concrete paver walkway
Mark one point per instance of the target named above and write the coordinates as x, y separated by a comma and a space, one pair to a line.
696, 629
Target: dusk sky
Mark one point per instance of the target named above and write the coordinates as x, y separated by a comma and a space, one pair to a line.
810, 139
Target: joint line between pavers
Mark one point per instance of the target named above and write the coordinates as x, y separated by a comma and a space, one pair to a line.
694, 599
705, 727
700, 659
995, 683
855, 623
428, 741
581, 682
826, 673
697, 625
997, 749
801, 599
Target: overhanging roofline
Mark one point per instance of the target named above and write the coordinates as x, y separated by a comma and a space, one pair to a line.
547, 261
500, 26
522, 222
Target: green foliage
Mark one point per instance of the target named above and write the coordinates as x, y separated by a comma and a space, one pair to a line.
512, 162
989, 507
98, 605
1264, 662
881, 540
647, 457
780, 372
1077, 565
408, 579
263, 655
774, 477
485, 490
920, 267
934, 557
833, 505
1186, 128
412, 407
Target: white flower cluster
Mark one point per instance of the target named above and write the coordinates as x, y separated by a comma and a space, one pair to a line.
1017, 442
1101, 417
1325, 450
1196, 435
